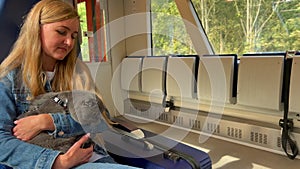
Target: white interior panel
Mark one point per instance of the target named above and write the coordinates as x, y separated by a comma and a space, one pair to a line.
130, 70
260, 81
215, 78
294, 101
153, 70
180, 77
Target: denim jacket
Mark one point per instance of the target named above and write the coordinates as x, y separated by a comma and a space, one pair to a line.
13, 102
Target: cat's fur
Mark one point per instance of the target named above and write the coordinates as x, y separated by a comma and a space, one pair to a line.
83, 106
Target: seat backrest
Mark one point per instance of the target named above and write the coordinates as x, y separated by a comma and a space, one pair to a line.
153, 75
294, 94
181, 80
217, 78
130, 73
260, 81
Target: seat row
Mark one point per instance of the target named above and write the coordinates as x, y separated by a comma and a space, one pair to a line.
254, 80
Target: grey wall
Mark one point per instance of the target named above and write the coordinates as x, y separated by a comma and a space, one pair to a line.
11, 17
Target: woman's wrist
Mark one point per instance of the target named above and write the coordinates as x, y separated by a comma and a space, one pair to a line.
47, 122
59, 163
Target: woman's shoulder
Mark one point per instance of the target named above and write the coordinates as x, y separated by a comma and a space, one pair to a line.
14, 73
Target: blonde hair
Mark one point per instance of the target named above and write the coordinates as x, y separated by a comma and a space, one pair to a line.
26, 52
71, 73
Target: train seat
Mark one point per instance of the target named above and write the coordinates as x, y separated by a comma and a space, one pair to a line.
130, 74
181, 79
294, 96
153, 76
217, 78
260, 79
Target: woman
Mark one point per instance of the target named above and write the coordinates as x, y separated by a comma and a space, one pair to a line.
43, 59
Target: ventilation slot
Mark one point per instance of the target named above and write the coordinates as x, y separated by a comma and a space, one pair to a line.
234, 132
164, 117
178, 120
213, 127
279, 142
259, 138
195, 124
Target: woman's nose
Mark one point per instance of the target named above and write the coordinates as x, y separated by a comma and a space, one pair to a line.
69, 41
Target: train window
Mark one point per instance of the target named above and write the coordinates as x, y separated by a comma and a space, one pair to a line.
169, 35
250, 26
93, 44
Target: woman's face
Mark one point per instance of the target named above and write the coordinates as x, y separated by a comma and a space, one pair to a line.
58, 38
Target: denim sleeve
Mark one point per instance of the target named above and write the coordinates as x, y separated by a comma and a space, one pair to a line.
14, 152
65, 125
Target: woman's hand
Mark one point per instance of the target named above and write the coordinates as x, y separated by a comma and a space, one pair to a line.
30, 126
74, 156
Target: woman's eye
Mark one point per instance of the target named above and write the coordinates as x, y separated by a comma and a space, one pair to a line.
61, 32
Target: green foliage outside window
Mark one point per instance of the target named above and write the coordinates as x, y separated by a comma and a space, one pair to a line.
83, 25
232, 26
168, 31
250, 26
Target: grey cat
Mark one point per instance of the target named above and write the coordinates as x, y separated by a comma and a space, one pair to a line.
84, 107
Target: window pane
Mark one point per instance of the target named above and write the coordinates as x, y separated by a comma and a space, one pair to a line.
84, 48
169, 35
235, 26
94, 39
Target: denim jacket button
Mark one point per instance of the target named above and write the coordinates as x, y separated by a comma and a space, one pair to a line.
61, 133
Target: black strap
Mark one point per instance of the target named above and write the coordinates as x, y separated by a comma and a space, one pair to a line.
175, 155
286, 123
286, 139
